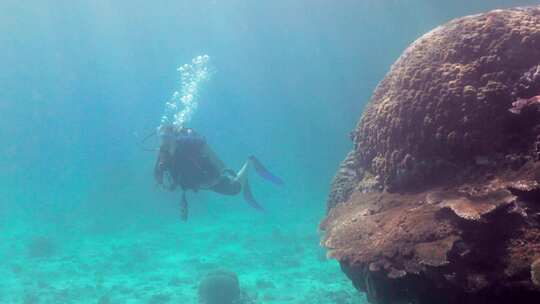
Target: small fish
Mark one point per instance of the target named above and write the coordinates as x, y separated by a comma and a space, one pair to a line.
522, 103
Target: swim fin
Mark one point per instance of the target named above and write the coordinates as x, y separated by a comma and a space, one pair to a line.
184, 207
248, 196
264, 173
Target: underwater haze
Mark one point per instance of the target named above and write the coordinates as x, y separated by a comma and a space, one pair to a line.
82, 84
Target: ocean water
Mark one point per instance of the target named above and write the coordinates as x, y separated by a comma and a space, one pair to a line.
83, 82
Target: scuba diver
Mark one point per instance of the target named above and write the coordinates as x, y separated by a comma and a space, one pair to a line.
186, 161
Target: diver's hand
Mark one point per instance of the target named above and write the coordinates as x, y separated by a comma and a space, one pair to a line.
159, 170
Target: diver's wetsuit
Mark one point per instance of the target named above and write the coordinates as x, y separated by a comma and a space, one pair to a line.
185, 160
192, 165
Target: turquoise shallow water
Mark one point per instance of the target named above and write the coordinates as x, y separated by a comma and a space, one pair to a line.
81, 220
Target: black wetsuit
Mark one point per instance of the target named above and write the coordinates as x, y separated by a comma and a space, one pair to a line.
192, 165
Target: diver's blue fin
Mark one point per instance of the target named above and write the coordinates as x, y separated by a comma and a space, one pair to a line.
248, 196
264, 173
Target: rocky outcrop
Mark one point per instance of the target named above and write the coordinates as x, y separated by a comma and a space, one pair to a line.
222, 287
439, 202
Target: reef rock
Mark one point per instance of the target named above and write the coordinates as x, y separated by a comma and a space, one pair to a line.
222, 287
219, 287
439, 201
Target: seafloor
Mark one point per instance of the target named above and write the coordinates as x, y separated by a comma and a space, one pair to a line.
277, 261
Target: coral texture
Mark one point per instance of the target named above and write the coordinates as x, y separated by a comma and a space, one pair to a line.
219, 287
535, 272
439, 202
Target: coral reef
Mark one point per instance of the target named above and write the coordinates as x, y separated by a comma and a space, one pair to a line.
219, 287
535, 272
439, 202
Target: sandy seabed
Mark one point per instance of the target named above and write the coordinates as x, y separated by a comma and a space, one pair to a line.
277, 261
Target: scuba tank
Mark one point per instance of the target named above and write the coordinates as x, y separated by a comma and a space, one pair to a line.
188, 159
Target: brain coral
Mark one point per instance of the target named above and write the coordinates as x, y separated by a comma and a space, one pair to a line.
439, 201
446, 101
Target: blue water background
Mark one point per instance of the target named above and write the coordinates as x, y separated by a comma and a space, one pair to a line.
81, 82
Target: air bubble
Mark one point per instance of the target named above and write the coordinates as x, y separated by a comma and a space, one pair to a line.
183, 103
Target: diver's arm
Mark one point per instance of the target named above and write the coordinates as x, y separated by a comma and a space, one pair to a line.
158, 172
160, 166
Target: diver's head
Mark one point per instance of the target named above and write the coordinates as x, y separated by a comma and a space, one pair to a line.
166, 134
185, 131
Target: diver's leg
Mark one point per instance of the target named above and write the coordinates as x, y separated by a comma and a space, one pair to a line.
227, 185
260, 169
233, 185
241, 176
